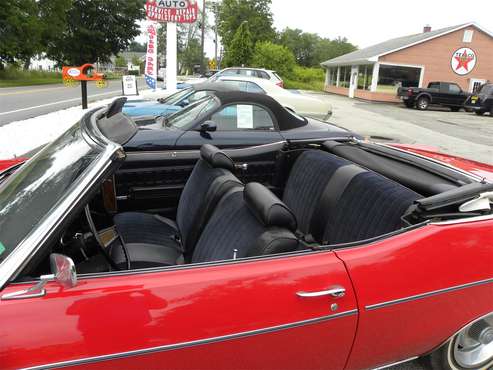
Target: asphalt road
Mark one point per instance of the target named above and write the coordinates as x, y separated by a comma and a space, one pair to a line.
18, 103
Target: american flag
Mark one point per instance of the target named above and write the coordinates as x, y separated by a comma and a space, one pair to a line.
150, 81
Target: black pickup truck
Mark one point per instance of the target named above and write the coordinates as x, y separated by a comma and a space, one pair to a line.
447, 94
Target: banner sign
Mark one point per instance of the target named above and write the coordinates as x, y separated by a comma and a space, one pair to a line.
177, 11
463, 61
151, 57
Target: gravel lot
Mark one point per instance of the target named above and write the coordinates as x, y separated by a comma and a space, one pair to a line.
460, 133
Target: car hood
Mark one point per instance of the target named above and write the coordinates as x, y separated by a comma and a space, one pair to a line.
149, 108
482, 170
316, 129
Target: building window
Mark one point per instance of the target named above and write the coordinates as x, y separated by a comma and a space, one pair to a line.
391, 78
332, 76
345, 76
365, 77
468, 34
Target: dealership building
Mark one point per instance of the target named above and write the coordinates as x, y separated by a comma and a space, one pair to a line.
462, 54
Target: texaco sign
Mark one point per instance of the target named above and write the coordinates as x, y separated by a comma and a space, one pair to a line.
463, 61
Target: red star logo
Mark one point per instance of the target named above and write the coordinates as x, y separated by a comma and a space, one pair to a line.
463, 60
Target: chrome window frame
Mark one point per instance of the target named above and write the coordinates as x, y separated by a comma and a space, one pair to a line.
109, 153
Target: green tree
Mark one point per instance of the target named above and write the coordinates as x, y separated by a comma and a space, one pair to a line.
302, 44
232, 13
241, 49
328, 49
137, 47
276, 57
96, 30
120, 61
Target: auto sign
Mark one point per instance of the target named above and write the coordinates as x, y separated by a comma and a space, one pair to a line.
178, 11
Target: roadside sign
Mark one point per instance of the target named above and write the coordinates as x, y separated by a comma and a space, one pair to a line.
176, 11
129, 85
463, 61
151, 56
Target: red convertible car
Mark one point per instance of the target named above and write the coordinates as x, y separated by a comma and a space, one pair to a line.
338, 254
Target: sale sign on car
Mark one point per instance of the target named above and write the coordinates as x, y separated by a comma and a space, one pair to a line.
177, 11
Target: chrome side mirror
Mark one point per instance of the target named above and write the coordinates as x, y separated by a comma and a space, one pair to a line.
63, 272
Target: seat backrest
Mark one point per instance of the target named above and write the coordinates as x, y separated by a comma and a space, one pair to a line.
210, 180
336, 201
371, 205
306, 183
249, 222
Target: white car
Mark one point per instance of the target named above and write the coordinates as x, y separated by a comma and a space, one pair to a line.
302, 104
264, 74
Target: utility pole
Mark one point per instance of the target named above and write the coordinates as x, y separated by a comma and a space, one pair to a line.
202, 26
215, 33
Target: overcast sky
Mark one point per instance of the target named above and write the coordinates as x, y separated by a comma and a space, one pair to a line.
367, 22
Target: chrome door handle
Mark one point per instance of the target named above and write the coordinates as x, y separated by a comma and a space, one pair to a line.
336, 292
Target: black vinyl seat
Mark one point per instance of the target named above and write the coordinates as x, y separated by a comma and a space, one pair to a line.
336, 201
247, 223
152, 240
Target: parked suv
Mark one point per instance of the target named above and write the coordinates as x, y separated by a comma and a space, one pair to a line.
446, 94
265, 74
481, 102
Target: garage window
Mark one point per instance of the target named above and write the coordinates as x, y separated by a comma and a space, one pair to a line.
393, 77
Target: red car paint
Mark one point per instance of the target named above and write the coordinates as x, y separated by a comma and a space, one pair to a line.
182, 307
480, 169
4, 164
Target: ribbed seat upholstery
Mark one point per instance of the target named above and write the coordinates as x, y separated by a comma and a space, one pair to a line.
306, 182
210, 180
247, 223
335, 201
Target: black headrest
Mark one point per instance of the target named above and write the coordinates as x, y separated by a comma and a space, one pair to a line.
268, 208
216, 158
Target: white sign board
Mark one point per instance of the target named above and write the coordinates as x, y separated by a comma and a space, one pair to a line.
129, 85
245, 116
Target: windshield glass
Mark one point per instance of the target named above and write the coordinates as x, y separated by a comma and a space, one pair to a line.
176, 97
186, 117
486, 89
33, 191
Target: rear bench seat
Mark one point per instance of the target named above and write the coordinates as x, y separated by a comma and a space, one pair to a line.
336, 201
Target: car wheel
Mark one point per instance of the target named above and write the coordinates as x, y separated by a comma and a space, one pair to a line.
423, 103
455, 109
470, 349
479, 113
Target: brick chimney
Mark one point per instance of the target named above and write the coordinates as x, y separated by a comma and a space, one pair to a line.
427, 28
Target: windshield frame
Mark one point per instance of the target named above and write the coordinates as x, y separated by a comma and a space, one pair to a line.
182, 94
111, 154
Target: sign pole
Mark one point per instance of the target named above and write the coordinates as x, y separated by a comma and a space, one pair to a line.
171, 56
83, 86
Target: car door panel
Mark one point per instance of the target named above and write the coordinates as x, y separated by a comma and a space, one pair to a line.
415, 290
154, 180
239, 315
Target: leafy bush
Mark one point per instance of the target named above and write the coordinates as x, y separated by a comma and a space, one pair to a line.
276, 57
304, 78
134, 73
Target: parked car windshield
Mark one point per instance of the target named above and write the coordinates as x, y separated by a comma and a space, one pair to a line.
486, 89
34, 190
176, 97
185, 118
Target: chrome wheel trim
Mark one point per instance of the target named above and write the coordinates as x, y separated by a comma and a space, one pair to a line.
472, 347
423, 104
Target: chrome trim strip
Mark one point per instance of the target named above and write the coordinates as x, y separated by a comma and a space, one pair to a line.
463, 220
193, 343
428, 294
395, 363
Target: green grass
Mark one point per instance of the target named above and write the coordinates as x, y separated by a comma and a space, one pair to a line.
12, 77
300, 85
